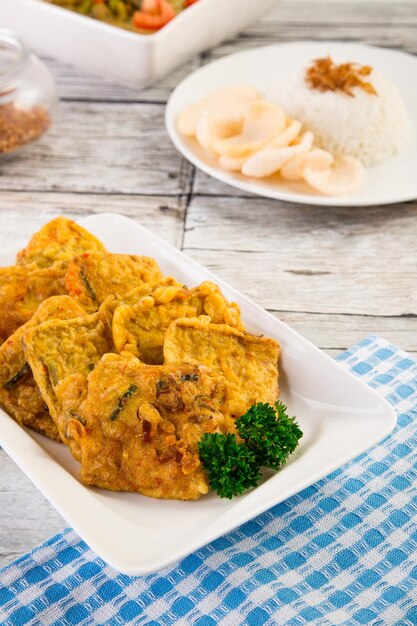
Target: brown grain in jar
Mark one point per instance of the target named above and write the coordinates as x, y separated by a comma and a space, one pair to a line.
27, 95
21, 126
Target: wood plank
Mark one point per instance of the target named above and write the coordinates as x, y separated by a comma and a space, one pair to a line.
274, 283
26, 518
101, 148
311, 259
337, 12
334, 333
73, 84
22, 213
396, 36
259, 224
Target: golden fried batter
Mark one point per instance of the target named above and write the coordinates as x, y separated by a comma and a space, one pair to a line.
110, 304
138, 427
57, 243
140, 328
91, 278
69, 394
22, 289
248, 363
19, 394
57, 348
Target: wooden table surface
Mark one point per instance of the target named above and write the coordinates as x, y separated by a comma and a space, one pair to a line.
333, 274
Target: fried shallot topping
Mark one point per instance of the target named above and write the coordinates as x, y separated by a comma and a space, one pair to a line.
325, 75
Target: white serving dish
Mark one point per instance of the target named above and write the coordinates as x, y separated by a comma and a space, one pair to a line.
339, 414
133, 58
392, 181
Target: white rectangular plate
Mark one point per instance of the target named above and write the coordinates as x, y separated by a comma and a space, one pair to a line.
340, 416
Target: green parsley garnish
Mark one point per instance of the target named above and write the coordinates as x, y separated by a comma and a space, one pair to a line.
232, 467
267, 437
270, 433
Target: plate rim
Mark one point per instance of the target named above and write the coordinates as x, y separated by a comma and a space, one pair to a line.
253, 187
17, 451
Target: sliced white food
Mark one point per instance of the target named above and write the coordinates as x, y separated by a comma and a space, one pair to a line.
288, 135
210, 128
270, 160
234, 164
263, 122
282, 140
316, 159
342, 178
227, 102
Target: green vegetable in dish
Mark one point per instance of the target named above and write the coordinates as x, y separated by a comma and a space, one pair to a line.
143, 16
266, 438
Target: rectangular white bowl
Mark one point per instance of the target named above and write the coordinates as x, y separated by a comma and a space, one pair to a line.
129, 57
339, 414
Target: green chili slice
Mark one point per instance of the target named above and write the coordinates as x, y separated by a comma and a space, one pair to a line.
13, 381
122, 401
87, 285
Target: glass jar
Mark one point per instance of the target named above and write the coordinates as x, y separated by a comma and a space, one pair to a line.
27, 95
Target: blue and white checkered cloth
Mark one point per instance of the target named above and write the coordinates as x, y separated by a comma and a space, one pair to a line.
343, 551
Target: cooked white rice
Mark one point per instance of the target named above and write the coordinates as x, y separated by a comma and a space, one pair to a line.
368, 127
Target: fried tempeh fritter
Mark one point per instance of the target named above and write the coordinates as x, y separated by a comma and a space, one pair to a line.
22, 289
134, 420
57, 349
248, 363
140, 328
19, 394
138, 426
57, 243
110, 304
91, 278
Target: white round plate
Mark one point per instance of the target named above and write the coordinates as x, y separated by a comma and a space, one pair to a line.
394, 180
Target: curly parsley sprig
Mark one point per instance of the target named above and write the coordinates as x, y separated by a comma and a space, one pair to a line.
232, 467
267, 437
269, 433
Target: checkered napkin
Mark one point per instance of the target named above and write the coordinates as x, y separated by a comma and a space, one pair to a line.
343, 551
